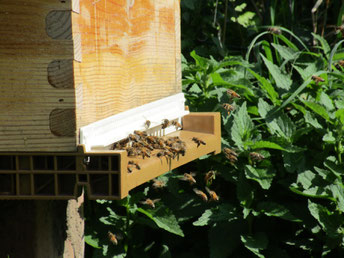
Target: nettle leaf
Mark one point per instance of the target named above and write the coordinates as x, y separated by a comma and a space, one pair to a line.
340, 115
92, 241
276, 210
329, 221
242, 126
310, 119
267, 87
283, 81
325, 46
164, 219
329, 138
317, 108
263, 176
255, 243
305, 178
245, 192
294, 162
338, 193
330, 163
286, 52
223, 212
326, 101
266, 145
264, 108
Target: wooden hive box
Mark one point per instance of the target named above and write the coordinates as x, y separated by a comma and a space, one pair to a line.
66, 66
67, 63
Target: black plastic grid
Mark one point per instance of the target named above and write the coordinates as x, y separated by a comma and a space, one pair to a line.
59, 176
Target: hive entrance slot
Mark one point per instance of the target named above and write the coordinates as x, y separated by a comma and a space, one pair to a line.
44, 184
7, 162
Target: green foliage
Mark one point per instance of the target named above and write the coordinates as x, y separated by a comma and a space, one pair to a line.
283, 194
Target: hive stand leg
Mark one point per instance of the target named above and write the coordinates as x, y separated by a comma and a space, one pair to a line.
41, 229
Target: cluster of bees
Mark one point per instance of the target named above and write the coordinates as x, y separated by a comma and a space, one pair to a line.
232, 95
140, 144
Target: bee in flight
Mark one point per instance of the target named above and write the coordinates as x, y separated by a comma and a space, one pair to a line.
201, 194
229, 108
189, 177
112, 238
147, 124
150, 203
317, 79
212, 194
232, 94
256, 156
158, 184
209, 176
176, 124
275, 30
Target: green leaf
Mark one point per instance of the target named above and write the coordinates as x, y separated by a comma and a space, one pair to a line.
326, 101
310, 119
305, 178
287, 53
338, 193
276, 210
328, 138
329, 221
263, 176
267, 87
164, 219
325, 46
266, 145
242, 126
218, 80
165, 253
282, 81
317, 108
294, 162
255, 243
92, 241
223, 212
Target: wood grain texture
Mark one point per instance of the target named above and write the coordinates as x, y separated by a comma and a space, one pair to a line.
28, 56
98, 57
130, 55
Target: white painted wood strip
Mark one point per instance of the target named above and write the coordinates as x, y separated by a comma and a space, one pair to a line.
114, 128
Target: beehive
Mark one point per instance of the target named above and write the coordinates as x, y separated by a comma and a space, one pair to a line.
67, 63
66, 66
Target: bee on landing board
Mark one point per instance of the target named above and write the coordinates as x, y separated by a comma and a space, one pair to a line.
147, 124
212, 194
165, 123
198, 141
189, 177
150, 203
132, 162
176, 124
201, 194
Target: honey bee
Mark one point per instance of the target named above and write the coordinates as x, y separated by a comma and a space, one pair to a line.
209, 176
145, 153
340, 63
158, 184
161, 143
132, 152
201, 194
129, 168
165, 123
132, 162
152, 139
231, 155
177, 125
120, 145
147, 124
256, 156
150, 203
189, 177
228, 107
275, 30
140, 133
134, 137
317, 79
233, 94
160, 154
198, 141
112, 238
212, 194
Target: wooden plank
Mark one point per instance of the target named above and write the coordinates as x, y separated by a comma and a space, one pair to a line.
129, 55
36, 74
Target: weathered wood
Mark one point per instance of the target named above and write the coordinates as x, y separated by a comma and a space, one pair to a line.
96, 57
